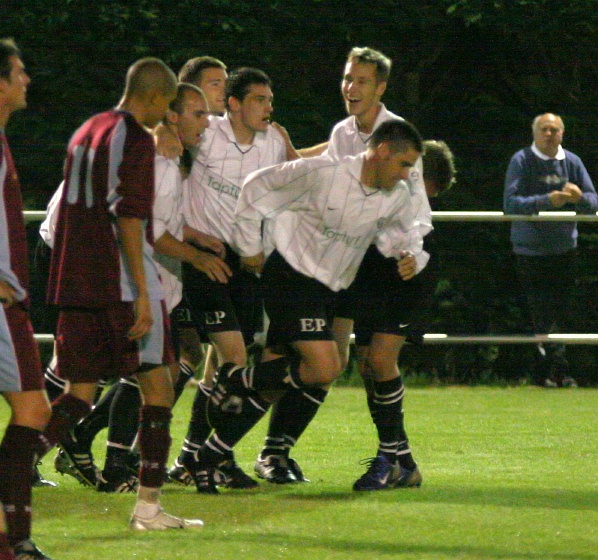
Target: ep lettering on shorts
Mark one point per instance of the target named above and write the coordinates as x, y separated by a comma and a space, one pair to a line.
214, 317
312, 325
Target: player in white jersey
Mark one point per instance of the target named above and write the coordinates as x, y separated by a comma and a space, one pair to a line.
364, 82
233, 146
326, 213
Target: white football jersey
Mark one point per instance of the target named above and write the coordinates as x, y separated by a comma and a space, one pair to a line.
168, 217
219, 171
346, 140
326, 218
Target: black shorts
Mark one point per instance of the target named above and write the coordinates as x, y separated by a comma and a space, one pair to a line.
384, 302
216, 307
299, 307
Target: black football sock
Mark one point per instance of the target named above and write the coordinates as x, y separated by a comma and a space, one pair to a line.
199, 429
186, 373
386, 404
300, 407
123, 423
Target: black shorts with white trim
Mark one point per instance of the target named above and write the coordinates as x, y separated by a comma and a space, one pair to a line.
298, 307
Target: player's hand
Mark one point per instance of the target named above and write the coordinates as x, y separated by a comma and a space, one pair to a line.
210, 242
559, 198
216, 269
407, 266
7, 294
253, 264
292, 153
168, 143
574, 191
143, 317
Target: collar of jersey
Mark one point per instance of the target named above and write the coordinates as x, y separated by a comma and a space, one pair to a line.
224, 124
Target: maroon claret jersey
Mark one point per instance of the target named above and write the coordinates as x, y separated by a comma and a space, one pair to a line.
13, 237
109, 173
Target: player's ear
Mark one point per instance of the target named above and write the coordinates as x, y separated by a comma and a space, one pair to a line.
234, 104
172, 117
381, 88
383, 150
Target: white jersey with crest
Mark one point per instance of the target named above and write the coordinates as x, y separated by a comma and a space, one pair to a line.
325, 217
218, 173
347, 140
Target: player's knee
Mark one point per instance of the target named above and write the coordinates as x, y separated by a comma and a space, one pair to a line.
379, 366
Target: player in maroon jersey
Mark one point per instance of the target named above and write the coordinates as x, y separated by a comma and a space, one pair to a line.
21, 379
103, 277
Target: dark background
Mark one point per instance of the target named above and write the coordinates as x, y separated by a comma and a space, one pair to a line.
471, 72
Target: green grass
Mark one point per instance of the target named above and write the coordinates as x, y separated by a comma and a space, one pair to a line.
509, 473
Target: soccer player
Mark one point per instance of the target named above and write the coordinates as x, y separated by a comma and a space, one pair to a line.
364, 82
325, 213
21, 380
174, 243
105, 282
209, 75
233, 146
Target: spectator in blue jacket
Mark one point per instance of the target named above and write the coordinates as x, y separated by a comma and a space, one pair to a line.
539, 178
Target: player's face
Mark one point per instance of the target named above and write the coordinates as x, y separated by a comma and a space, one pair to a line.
548, 134
193, 120
212, 83
256, 108
15, 88
360, 89
394, 167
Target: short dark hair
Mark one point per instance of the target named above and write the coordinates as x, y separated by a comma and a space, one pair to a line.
366, 55
240, 80
182, 90
439, 165
149, 75
400, 134
8, 49
192, 69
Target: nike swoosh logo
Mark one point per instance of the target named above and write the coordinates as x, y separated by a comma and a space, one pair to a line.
404, 325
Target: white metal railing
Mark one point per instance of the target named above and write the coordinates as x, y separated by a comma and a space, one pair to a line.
458, 216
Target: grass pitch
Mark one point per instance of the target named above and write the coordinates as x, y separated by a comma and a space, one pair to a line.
509, 473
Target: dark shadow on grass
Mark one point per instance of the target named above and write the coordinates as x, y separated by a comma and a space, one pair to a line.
570, 500
311, 546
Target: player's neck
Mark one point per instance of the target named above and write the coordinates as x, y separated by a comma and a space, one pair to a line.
243, 134
368, 172
136, 109
4, 116
366, 122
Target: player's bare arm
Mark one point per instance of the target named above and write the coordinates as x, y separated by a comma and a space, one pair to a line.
292, 153
313, 151
130, 235
216, 269
168, 144
204, 240
7, 294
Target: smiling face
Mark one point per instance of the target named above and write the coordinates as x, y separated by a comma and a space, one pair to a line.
212, 83
362, 92
14, 89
